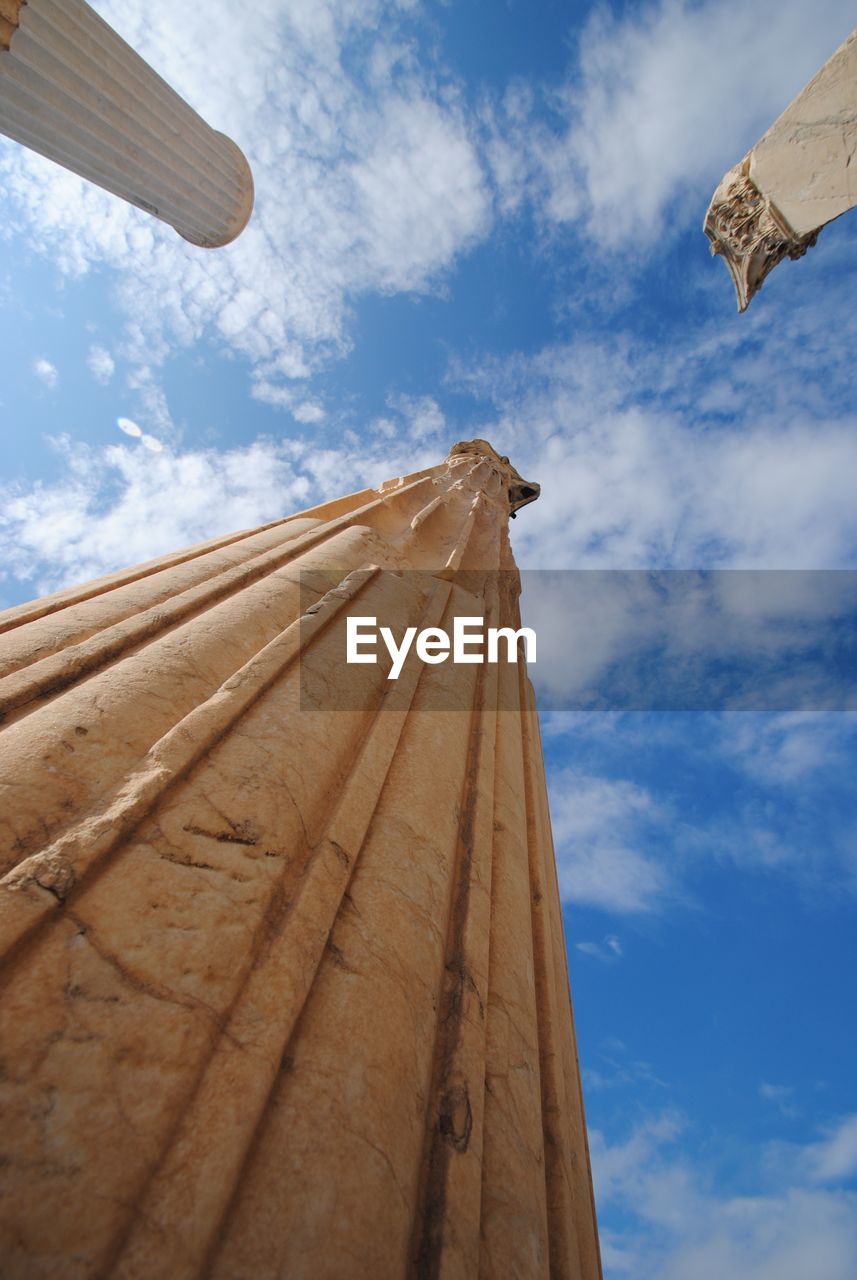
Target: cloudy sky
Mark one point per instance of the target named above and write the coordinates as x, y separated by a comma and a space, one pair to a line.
482, 217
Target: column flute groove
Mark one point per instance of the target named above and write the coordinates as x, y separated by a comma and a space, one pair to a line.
446, 1232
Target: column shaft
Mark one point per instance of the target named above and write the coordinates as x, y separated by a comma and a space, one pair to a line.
72, 90
282, 977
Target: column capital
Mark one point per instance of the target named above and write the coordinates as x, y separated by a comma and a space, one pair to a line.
749, 232
519, 491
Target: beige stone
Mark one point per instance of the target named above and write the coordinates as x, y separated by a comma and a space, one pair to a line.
284, 986
72, 90
794, 181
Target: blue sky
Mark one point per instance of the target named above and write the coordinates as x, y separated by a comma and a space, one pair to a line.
483, 218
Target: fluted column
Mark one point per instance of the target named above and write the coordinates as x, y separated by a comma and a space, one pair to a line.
283, 984
795, 180
72, 90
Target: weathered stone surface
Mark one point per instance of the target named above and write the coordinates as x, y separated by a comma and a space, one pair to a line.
283, 986
72, 90
794, 181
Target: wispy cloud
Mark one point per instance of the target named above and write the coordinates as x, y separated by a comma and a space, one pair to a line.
797, 747
100, 363
610, 948
834, 1158
46, 372
691, 640
675, 1226
308, 411
781, 1096
617, 1070
601, 828
422, 417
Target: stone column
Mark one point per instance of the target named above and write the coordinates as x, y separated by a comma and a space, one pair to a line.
794, 181
283, 988
72, 90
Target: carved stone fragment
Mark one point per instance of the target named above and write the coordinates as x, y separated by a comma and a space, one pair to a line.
798, 177
748, 232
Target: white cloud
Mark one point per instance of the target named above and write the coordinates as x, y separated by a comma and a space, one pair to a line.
617, 1070
780, 1095
423, 417
420, 192
639, 488
835, 1157
308, 411
384, 427
609, 949
152, 400
46, 372
599, 825
517, 144
675, 1227
269, 392
791, 822
782, 750
100, 364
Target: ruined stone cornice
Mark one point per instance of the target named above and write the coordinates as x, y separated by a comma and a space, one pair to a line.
748, 231
798, 177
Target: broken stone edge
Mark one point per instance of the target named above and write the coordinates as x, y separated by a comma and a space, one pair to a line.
749, 232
